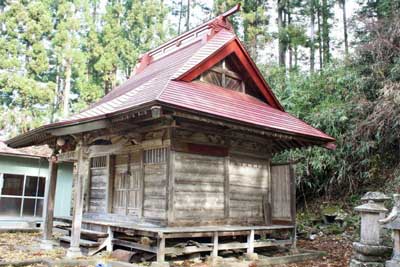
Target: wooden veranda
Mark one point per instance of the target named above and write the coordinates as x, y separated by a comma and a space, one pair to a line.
167, 241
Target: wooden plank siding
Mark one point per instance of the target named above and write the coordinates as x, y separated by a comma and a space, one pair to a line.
199, 187
177, 188
248, 186
155, 191
282, 192
98, 190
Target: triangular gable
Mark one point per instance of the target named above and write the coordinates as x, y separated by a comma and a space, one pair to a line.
250, 71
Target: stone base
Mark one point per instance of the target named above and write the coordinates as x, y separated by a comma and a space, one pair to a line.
392, 263
46, 244
74, 252
365, 258
159, 264
251, 256
356, 263
372, 250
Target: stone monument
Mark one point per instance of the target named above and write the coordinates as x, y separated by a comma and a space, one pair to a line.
393, 222
370, 252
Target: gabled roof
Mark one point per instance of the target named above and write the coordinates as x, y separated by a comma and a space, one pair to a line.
165, 75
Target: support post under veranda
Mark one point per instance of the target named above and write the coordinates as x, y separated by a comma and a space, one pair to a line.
160, 262
48, 211
80, 175
250, 246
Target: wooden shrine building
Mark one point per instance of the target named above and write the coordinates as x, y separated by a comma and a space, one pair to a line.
180, 151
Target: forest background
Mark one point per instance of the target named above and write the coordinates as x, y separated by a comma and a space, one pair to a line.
333, 63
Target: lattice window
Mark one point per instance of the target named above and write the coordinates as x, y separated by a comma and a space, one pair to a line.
98, 162
224, 74
155, 155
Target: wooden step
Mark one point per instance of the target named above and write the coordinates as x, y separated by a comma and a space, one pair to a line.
85, 232
82, 242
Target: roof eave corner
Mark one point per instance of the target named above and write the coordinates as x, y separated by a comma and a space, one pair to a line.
330, 145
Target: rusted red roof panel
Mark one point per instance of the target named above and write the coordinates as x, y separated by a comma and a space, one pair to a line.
237, 106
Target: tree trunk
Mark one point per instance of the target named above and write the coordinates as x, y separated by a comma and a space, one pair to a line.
107, 86
346, 43
188, 16
320, 38
67, 87
289, 21
180, 17
325, 31
282, 49
312, 35
57, 93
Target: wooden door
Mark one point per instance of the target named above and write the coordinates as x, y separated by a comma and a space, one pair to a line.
283, 194
127, 189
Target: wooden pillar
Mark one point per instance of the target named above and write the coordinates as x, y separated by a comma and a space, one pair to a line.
82, 171
170, 186
250, 255
214, 254
293, 207
250, 242
110, 233
267, 202
110, 181
48, 211
226, 188
161, 249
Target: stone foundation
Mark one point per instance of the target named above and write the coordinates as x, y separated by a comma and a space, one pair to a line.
356, 263
392, 263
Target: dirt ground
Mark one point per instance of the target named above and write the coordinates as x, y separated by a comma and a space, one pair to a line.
25, 246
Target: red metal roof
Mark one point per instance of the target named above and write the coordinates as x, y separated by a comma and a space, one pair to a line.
159, 80
234, 105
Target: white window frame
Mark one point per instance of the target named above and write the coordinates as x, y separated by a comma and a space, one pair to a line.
23, 197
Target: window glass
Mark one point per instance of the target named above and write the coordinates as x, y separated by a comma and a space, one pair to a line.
39, 207
10, 206
31, 186
13, 184
29, 207
42, 182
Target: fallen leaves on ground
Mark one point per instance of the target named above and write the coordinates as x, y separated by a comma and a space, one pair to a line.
22, 246
337, 247
26, 246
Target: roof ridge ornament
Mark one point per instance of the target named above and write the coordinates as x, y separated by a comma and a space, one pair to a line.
144, 60
221, 21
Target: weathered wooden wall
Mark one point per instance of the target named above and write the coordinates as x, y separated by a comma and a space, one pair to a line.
155, 191
282, 192
198, 188
196, 179
219, 190
97, 191
249, 180
134, 185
